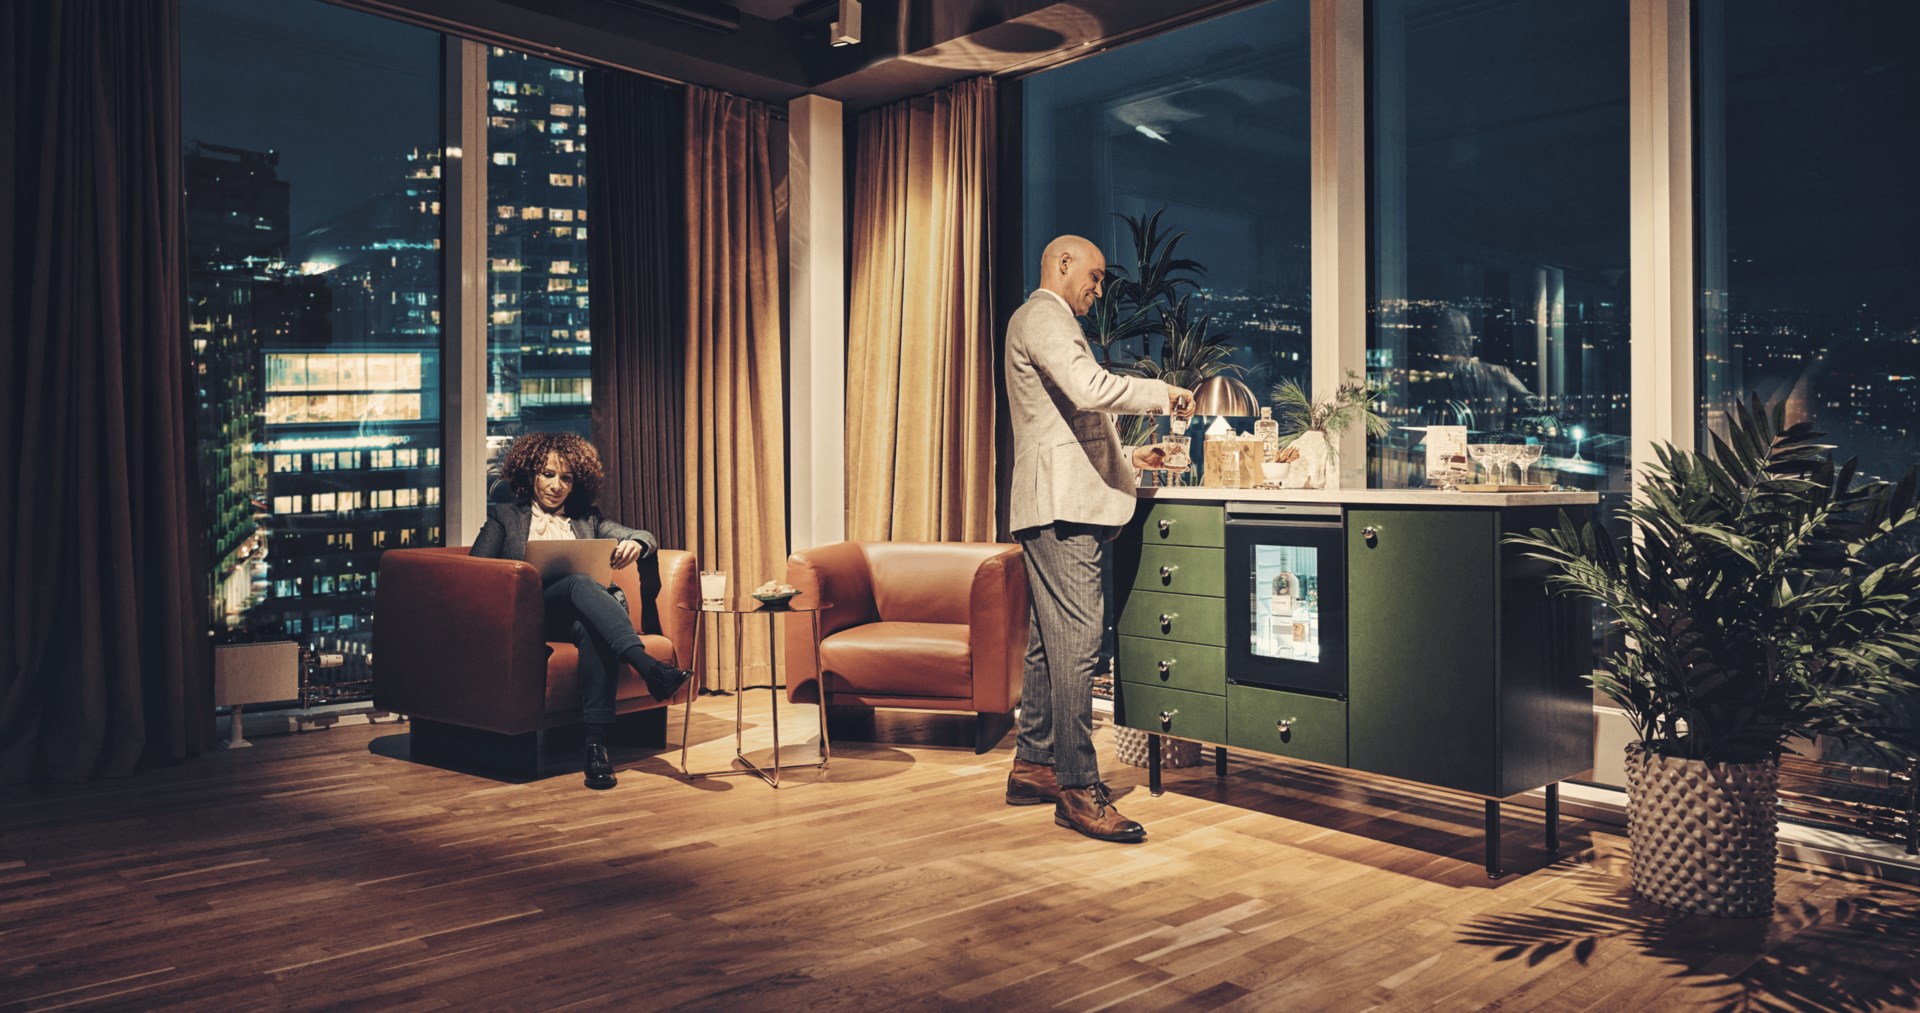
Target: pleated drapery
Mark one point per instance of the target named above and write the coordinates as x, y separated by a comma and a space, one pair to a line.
636, 193
735, 439
104, 658
920, 389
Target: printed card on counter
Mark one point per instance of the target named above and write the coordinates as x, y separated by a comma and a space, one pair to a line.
1444, 443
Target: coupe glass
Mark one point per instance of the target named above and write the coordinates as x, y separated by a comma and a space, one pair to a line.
1529, 453
1482, 454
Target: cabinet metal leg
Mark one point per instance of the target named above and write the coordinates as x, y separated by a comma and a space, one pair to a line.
1553, 818
1153, 764
1219, 761
1493, 839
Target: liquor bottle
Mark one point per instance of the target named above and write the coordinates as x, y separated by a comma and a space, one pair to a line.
1301, 647
1281, 603
1269, 432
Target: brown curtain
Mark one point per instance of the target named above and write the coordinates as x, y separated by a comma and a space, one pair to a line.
736, 435
104, 658
636, 192
920, 390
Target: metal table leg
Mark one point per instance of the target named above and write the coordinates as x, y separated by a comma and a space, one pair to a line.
1493, 839
1553, 817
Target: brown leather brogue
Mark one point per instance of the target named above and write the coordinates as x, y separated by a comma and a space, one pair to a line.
1090, 810
1031, 784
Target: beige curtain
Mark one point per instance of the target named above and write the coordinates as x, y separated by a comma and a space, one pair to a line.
735, 438
920, 401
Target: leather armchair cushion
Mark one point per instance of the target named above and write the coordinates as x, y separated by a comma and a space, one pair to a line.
922, 582
563, 676
899, 659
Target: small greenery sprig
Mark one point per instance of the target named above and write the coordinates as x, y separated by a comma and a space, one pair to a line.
1352, 402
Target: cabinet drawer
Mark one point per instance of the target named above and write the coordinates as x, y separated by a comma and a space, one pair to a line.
1182, 569
1200, 524
1287, 724
1187, 618
1175, 665
1171, 712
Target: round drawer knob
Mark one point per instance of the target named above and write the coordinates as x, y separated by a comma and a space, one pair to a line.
1166, 620
1166, 526
1284, 725
1370, 533
1166, 717
1166, 667
1166, 572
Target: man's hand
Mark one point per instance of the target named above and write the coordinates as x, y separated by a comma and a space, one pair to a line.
1150, 457
1179, 402
626, 552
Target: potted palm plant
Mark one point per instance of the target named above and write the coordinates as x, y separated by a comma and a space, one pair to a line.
1766, 596
1154, 299
1314, 427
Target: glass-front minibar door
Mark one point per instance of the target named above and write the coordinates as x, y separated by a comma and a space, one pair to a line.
1286, 597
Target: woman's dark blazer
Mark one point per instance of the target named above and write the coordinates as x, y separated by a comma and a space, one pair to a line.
504, 535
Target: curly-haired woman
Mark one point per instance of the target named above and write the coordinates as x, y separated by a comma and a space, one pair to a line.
554, 478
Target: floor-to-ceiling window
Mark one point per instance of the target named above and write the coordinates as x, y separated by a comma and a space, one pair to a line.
1498, 203
1211, 123
1807, 208
538, 338
313, 141
1806, 212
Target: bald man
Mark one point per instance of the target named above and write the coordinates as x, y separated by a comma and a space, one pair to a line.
1073, 489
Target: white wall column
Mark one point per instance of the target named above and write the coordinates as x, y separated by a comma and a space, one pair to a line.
1339, 156
817, 384
463, 318
1661, 231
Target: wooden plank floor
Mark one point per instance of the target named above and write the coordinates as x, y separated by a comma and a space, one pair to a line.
326, 870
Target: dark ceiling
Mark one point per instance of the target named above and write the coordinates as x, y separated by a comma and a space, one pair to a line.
777, 50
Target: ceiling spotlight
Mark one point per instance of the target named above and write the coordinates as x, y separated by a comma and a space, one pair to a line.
846, 31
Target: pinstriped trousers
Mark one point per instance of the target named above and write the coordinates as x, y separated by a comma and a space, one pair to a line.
1068, 615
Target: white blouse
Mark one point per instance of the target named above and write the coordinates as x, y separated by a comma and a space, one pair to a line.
548, 526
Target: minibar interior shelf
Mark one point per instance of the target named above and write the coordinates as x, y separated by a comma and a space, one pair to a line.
1379, 630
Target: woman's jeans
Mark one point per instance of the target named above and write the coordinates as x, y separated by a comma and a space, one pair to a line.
579, 610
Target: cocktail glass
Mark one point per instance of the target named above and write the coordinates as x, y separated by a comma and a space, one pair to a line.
1529, 453
1483, 455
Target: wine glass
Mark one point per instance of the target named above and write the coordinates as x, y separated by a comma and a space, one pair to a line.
1482, 454
1529, 453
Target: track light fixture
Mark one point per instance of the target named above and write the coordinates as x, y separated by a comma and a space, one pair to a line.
846, 30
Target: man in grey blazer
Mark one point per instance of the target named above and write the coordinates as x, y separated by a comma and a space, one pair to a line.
1073, 489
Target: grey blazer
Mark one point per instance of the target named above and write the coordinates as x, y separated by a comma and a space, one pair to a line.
1068, 464
504, 535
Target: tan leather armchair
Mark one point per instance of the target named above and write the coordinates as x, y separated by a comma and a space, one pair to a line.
458, 648
922, 625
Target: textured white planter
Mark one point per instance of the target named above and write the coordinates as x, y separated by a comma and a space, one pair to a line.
1703, 834
1310, 471
1130, 746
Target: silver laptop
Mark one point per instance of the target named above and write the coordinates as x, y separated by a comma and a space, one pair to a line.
559, 557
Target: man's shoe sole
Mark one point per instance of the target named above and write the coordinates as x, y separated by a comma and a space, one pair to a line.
597, 785
1013, 799
1113, 838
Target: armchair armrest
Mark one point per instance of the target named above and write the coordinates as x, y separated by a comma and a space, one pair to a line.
679, 585
457, 638
998, 614
835, 573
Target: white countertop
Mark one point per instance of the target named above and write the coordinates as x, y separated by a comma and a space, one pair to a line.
1370, 497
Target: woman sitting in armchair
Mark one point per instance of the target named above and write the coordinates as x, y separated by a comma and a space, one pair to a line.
554, 478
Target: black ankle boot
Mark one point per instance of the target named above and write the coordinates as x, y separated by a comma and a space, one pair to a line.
599, 766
